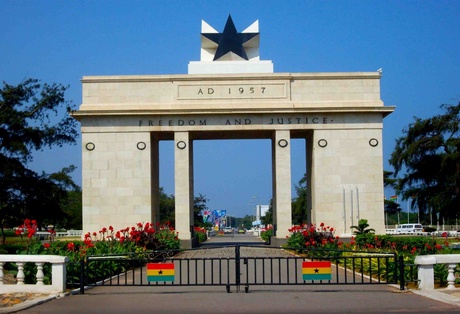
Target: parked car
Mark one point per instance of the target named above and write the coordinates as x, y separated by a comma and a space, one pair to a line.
241, 231
228, 230
409, 229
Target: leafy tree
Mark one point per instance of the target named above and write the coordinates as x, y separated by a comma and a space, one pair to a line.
392, 207
362, 227
199, 204
61, 198
72, 206
388, 181
268, 218
245, 222
50, 202
167, 206
428, 156
299, 204
33, 117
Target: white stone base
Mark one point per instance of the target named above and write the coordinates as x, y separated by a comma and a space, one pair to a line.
229, 67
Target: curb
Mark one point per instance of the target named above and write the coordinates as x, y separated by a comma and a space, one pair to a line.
30, 303
438, 296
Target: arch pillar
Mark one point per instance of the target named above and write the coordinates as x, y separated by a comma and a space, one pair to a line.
155, 181
281, 164
183, 181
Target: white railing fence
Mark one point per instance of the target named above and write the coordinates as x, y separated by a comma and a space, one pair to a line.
59, 234
58, 273
426, 264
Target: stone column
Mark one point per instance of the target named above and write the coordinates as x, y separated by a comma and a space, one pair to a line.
191, 190
309, 163
282, 217
347, 179
155, 173
183, 187
116, 180
425, 271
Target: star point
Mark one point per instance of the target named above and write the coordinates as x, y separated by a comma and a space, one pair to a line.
230, 43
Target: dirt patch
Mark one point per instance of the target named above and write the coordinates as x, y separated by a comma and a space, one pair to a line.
11, 299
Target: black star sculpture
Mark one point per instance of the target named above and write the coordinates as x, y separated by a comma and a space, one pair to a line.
230, 40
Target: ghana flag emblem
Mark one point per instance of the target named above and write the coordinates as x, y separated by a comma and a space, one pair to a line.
316, 270
160, 272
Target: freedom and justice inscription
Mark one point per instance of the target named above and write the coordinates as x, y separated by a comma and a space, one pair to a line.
236, 121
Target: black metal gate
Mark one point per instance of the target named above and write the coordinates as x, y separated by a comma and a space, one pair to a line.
240, 266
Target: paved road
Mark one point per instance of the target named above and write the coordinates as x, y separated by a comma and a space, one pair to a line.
260, 299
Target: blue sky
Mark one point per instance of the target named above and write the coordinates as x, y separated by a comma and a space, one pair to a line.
417, 43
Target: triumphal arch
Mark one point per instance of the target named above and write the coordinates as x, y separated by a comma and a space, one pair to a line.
232, 94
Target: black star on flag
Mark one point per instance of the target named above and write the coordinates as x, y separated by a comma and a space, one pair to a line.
230, 40
160, 272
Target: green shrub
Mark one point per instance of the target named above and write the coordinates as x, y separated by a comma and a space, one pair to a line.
266, 234
440, 274
408, 247
311, 237
12, 248
416, 245
200, 234
9, 233
135, 239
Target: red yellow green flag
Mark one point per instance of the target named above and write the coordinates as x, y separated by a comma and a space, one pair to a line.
394, 198
160, 272
320, 270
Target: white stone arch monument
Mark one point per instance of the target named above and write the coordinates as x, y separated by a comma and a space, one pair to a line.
230, 93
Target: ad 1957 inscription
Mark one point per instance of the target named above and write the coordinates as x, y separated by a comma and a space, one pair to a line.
232, 91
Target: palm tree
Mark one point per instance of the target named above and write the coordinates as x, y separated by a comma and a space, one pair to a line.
361, 228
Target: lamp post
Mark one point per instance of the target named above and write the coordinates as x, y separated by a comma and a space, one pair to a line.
431, 216
407, 210
257, 209
255, 199
437, 227
418, 215
250, 210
